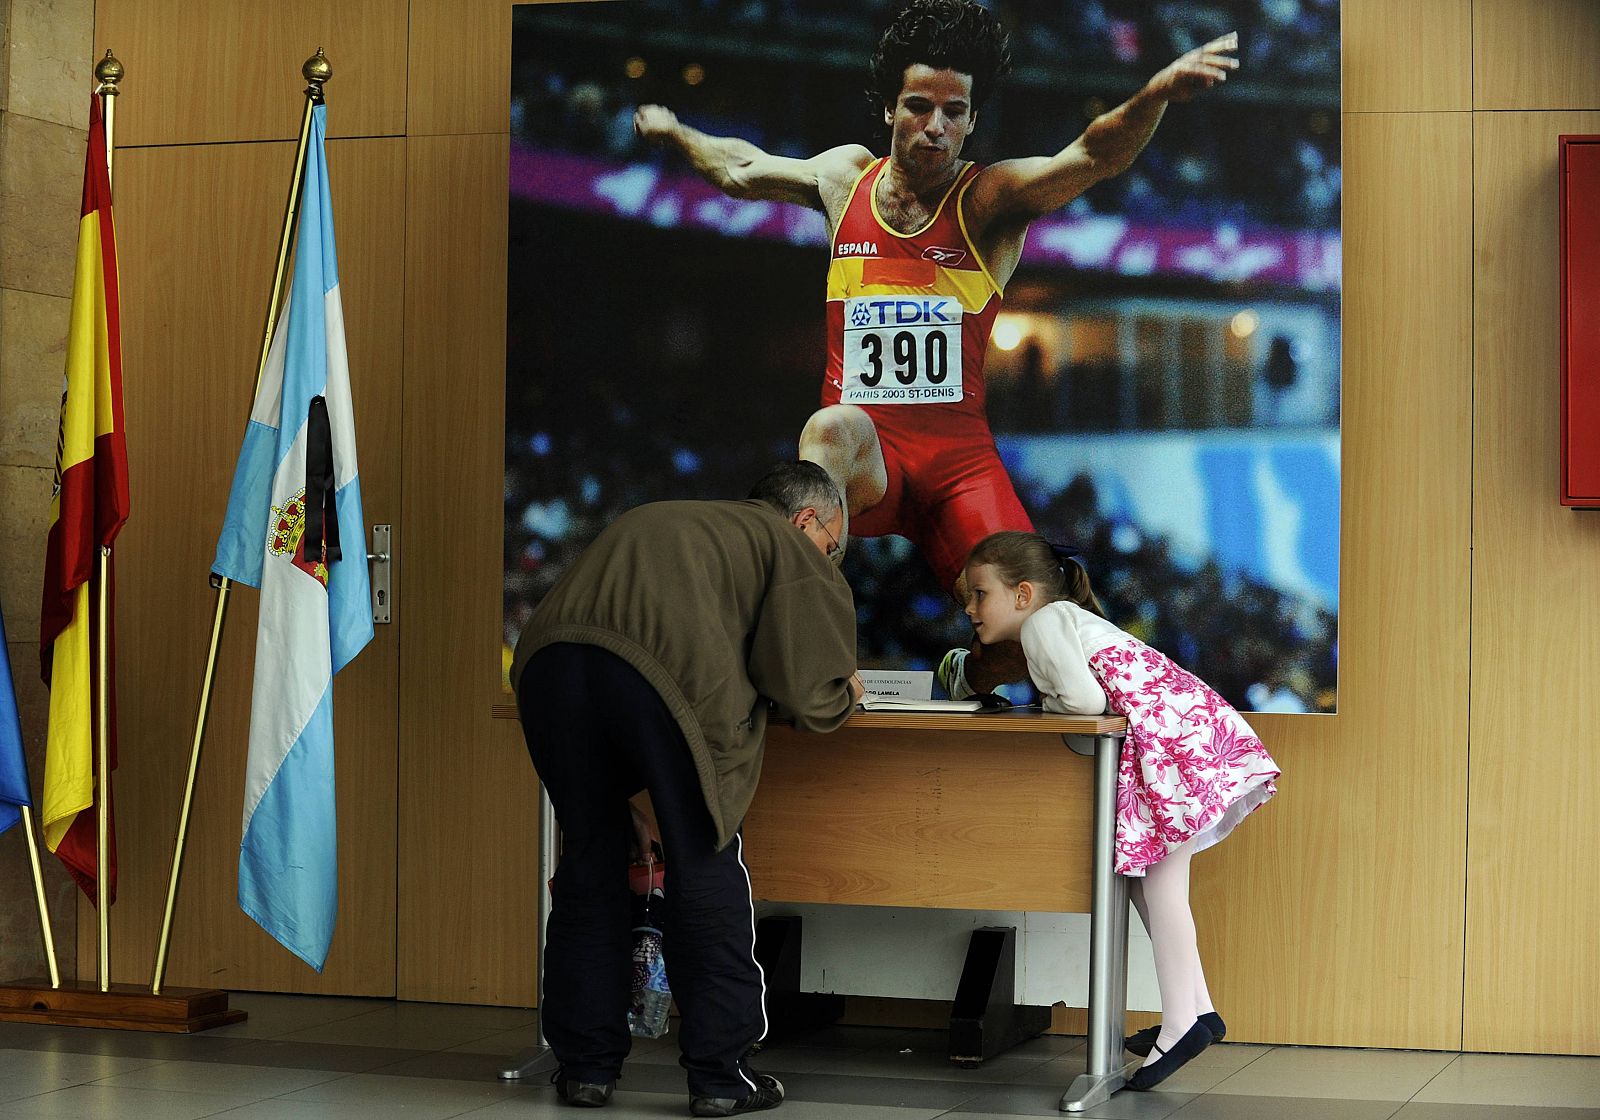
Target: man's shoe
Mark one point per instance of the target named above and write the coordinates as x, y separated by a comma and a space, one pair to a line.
768, 1094
581, 1094
1140, 1042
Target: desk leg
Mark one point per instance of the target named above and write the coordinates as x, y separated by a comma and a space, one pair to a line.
1108, 945
533, 1060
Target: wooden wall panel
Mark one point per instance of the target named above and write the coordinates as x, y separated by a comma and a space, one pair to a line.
1411, 57
459, 79
196, 267
204, 71
1353, 883
468, 796
1535, 54
1349, 884
1532, 976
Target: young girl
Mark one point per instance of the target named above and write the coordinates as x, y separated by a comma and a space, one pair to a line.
1191, 767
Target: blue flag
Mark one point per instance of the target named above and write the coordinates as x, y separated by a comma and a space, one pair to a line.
294, 529
13, 764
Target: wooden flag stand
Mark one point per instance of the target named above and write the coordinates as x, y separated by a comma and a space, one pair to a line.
131, 1006
127, 1007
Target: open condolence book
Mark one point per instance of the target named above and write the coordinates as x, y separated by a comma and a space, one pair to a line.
984, 703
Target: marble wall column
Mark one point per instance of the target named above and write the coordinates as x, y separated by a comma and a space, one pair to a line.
46, 73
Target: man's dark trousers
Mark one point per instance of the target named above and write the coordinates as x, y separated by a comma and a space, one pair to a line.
598, 733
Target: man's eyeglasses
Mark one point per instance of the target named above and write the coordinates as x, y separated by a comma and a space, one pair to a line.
835, 553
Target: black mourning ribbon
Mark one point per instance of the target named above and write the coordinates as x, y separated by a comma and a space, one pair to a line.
322, 519
1063, 552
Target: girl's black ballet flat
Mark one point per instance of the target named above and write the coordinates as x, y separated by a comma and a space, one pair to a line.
1140, 1042
1171, 1061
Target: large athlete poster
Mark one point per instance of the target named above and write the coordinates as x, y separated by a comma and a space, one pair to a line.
1160, 385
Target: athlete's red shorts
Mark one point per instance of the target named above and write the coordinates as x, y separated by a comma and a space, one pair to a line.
947, 488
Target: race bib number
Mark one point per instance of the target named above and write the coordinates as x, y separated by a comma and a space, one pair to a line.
902, 350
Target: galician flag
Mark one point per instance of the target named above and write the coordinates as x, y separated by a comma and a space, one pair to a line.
294, 529
13, 763
88, 509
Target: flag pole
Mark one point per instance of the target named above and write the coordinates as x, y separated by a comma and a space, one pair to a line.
317, 72
44, 906
109, 72
102, 761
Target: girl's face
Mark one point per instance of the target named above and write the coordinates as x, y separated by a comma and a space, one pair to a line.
997, 610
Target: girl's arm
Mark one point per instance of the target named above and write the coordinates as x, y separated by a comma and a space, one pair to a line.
1059, 666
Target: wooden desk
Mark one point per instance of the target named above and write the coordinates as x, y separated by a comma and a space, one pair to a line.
960, 811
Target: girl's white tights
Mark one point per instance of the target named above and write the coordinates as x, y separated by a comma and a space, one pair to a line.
1162, 899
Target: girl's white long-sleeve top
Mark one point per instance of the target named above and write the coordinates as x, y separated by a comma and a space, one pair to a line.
1058, 639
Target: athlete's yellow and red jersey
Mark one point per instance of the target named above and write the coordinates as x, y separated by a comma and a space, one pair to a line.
909, 314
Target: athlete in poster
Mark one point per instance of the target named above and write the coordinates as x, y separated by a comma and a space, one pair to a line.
923, 244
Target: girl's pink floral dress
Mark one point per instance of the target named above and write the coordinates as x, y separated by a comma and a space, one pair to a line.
1191, 769
1191, 766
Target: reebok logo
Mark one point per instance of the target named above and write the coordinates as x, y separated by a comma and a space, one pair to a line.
940, 255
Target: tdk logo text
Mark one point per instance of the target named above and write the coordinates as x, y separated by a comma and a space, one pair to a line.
902, 312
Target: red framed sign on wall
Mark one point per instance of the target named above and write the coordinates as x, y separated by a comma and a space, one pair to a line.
1580, 321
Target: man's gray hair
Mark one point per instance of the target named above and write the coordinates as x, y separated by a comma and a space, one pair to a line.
792, 487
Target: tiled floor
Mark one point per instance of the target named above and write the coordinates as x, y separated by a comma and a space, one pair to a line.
310, 1058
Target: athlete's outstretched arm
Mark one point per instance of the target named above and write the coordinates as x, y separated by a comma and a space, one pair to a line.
1024, 189
740, 169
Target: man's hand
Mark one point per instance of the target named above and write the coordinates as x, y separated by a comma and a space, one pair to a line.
857, 689
644, 835
1197, 71
657, 123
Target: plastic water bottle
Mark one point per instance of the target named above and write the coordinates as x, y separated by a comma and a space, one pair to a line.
652, 998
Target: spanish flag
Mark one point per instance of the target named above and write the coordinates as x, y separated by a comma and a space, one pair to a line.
87, 510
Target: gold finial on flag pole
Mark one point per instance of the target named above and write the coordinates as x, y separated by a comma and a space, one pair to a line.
317, 72
108, 72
